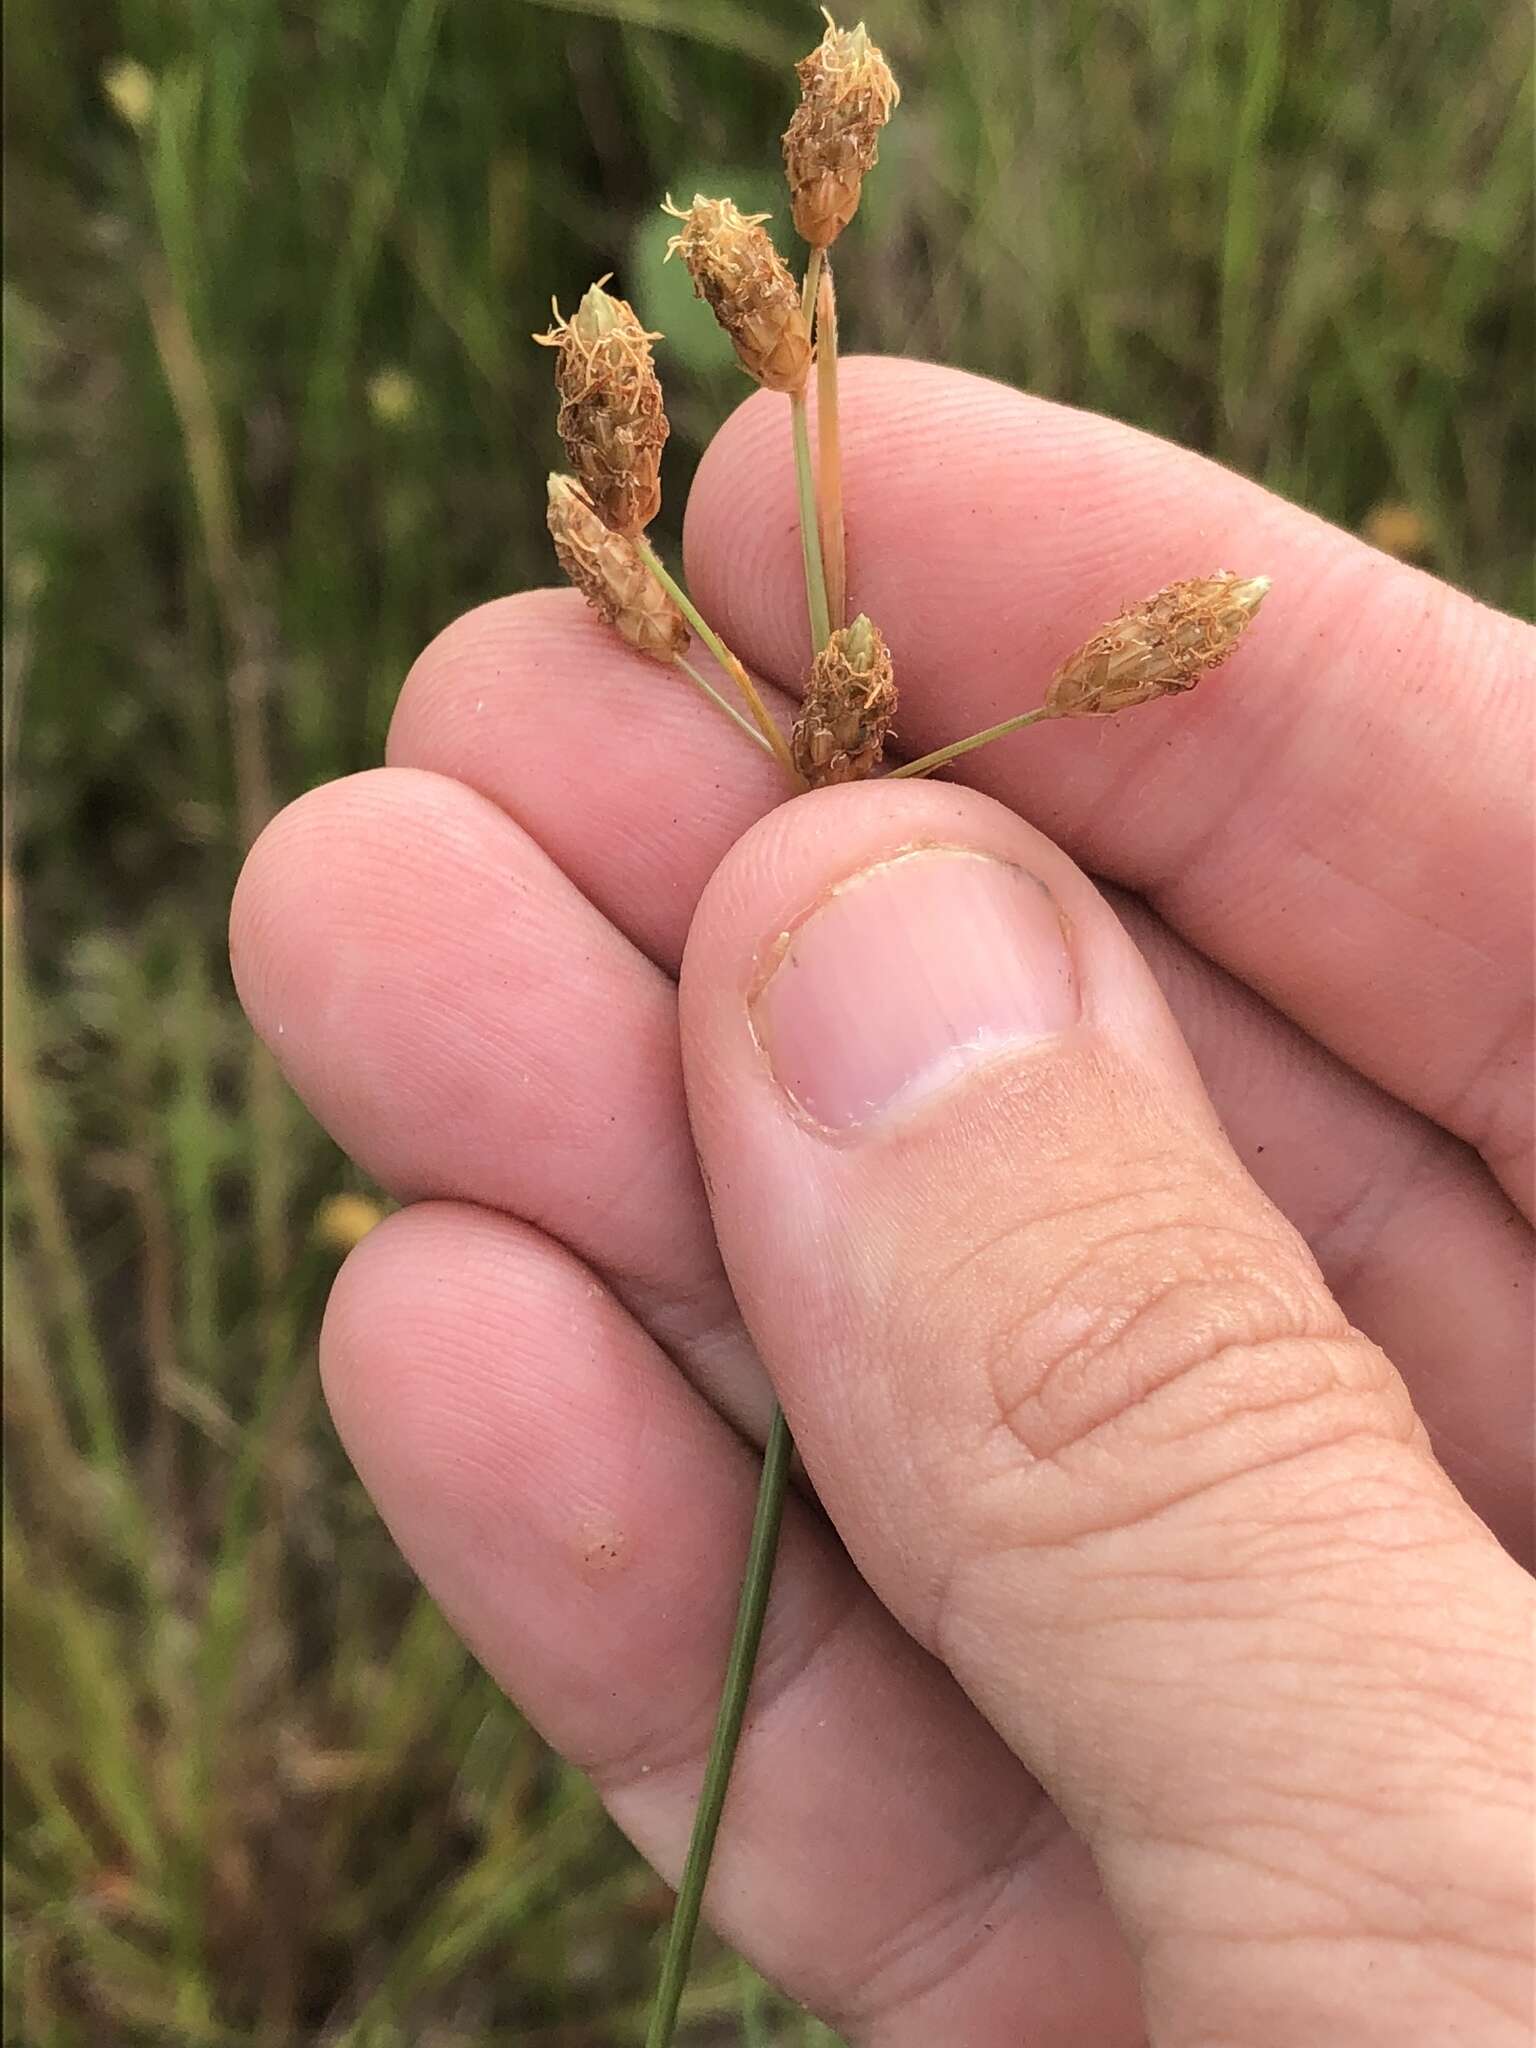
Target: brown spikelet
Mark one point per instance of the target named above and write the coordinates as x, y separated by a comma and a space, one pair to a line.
1160, 646
612, 419
850, 701
831, 144
606, 568
736, 268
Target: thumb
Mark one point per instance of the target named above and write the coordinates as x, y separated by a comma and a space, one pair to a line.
1085, 1415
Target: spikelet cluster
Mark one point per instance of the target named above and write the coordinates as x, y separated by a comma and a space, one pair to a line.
612, 419
832, 142
606, 568
848, 706
1158, 647
746, 282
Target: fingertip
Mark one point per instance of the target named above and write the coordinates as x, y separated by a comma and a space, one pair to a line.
524, 644
307, 884
465, 1358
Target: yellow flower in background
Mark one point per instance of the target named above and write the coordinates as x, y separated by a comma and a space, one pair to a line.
131, 89
343, 1221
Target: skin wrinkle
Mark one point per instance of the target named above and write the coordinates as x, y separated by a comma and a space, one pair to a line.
1081, 1534
1086, 1362
1440, 1956
1331, 1381
1400, 1915
1447, 1105
1179, 903
1388, 1914
1499, 1148
1363, 1218
1369, 1709
952, 1279
936, 1947
1409, 1137
1254, 1848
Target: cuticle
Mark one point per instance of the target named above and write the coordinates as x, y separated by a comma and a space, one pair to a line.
770, 956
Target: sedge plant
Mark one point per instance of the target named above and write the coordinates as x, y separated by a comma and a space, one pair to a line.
613, 423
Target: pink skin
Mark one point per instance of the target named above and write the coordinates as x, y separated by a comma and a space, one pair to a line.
472, 986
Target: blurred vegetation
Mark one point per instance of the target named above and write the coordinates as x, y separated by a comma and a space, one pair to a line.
272, 418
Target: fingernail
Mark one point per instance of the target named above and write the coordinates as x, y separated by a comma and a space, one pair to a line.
907, 976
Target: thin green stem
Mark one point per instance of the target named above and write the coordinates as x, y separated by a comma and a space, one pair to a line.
944, 755
810, 538
714, 696
728, 661
722, 1749
805, 482
829, 454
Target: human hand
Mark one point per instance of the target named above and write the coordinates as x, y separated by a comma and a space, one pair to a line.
1123, 1507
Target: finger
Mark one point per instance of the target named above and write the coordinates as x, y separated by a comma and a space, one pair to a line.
1417, 1243
1343, 819
636, 789
581, 1517
1088, 1421
465, 1024
629, 780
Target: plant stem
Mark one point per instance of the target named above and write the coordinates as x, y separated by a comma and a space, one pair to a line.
714, 696
724, 656
810, 538
812, 279
944, 755
722, 1749
805, 483
829, 454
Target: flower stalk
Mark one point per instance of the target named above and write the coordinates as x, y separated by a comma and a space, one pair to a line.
758, 739
942, 756
745, 1638
733, 667
817, 609
829, 454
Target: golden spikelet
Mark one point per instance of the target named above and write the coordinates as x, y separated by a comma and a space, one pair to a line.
612, 419
736, 268
606, 568
831, 144
850, 701
1158, 647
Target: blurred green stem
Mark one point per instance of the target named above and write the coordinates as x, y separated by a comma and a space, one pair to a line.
57, 1258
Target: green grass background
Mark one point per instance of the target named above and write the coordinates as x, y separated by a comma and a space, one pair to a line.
273, 417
